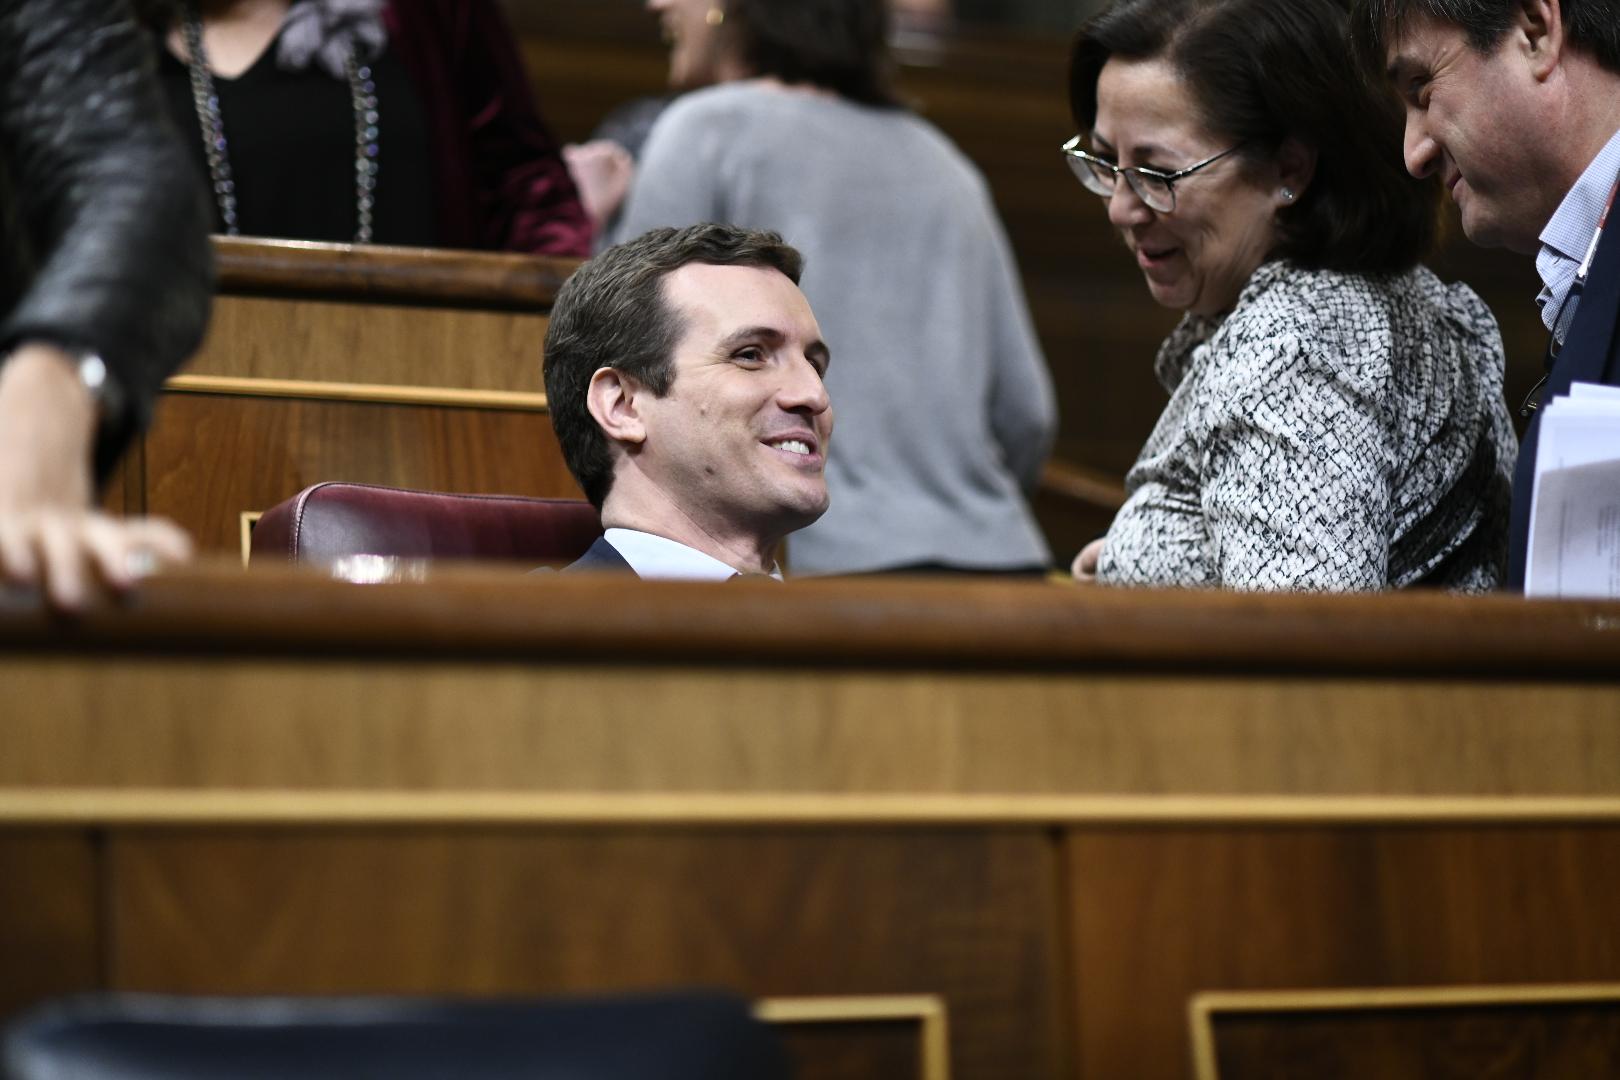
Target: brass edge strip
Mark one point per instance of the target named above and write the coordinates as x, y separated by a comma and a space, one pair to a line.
1202, 1007
933, 1036
1205, 1065
369, 393
66, 805
936, 1045
1400, 997
829, 1010
245, 522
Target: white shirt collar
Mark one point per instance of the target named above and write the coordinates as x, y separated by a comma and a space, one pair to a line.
1569, 232
653, 556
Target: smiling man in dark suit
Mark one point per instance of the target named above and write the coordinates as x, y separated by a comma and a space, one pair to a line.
684, 372
1516, 105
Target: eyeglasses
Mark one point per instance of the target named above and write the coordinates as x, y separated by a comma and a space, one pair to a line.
1155, 189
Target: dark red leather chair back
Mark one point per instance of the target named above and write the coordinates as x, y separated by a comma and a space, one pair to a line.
331, 520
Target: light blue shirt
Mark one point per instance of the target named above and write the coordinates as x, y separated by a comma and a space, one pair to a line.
1567, 236
659, 557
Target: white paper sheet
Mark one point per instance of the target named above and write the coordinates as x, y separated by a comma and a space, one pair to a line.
1574, 545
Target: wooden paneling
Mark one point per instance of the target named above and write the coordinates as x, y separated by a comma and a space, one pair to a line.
1391, 643
1554, 1032
311, 351
1553, 1043
854, 1051
1064, 811
211, 457
1158, 915
330, 341
377, 272
50, 932
969, 916
213, 679
269, 725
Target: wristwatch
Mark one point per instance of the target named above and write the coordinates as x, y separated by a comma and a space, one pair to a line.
103, 388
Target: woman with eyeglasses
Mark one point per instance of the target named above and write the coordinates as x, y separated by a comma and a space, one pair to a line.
1336, 418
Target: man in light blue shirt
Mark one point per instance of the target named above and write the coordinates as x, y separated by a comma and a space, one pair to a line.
684, 371
1515, 104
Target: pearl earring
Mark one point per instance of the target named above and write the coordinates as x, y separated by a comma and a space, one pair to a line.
1288, 195
715, 16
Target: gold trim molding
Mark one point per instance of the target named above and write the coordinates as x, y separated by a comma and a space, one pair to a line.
927, 1010
366, 393
245, 522
1202, 1007
316, 807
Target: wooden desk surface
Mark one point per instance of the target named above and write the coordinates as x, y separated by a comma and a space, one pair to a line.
259, 266
1059, 811
484, 694
456, 611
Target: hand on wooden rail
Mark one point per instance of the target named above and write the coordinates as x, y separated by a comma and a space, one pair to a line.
1085, 563
50, 533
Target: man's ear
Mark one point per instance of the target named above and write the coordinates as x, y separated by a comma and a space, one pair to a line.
1296, 165
611, 398
1538, 31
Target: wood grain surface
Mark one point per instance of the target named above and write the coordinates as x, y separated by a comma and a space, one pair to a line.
346, 342
1542, 1042
1157, 915
210, 723
1031, 798
212, 456
50, 916
966, 915
376, 272
488, 613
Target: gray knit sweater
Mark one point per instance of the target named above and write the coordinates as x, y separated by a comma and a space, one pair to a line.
944, 408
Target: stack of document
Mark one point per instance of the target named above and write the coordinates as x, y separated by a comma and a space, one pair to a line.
1575, 505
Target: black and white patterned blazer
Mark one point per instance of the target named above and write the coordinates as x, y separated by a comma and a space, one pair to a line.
1332, 432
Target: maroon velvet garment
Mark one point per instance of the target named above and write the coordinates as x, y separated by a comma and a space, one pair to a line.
500, 179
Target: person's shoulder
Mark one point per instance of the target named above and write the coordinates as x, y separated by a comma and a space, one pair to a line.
726, 101
1357, 325
906, 129
1343, 307
1282, 285
1298, 318
600, 557
715, 123
1283, 299
1452, 303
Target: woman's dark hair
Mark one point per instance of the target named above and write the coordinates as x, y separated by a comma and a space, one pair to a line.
839, 45
1264, 71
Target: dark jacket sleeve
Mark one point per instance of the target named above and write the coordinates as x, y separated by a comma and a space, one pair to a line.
503, 183
105, 234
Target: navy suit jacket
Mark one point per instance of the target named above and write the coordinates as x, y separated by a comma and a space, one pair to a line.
1591, 353
600, 557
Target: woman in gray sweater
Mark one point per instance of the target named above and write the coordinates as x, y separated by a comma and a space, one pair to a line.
945, 407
